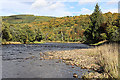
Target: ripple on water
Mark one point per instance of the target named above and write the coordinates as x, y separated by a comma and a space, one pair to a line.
18, 62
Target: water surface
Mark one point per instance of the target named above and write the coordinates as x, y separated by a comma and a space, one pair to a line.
24, 61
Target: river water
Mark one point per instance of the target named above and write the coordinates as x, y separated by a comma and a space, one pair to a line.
24, 61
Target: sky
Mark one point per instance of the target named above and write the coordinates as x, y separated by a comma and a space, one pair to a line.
56, 8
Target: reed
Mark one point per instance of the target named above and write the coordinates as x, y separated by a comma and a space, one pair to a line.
108, 59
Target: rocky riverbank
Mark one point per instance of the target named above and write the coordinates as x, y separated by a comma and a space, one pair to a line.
86, 59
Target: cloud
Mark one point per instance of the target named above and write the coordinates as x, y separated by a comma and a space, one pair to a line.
39, 3
53, 8
17, 0
72, 7
84, 11
87, 11
110, 10
112, 2
38, 7
13, 7
87, 1
46, 4
96, 1
46, 8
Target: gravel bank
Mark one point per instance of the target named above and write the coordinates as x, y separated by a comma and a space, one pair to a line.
84, 58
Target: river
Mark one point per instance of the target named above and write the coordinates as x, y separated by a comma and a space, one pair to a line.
15, 62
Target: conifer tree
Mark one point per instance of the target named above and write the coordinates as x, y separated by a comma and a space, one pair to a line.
93, 33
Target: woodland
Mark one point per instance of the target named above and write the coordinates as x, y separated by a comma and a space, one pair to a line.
83, 28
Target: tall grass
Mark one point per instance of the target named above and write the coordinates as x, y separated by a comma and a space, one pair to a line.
108, 59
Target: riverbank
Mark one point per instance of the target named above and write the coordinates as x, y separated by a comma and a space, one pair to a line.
36, 42
61, 42
42, 42
103, 60
11, 43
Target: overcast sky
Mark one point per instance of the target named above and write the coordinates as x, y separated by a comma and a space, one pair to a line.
56, 8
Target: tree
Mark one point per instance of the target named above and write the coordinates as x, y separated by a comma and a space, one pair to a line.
6, 34
92, 32
38, 35
113, 33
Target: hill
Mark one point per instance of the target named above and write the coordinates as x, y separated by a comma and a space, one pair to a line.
30, 28
19, 19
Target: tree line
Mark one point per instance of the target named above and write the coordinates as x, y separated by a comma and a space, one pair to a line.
84, 28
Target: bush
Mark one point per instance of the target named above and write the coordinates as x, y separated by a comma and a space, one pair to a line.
103, 36
113, 34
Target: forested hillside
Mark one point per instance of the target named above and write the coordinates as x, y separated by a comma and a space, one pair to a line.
84, 28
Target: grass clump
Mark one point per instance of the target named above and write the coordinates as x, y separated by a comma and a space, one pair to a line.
108, 59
